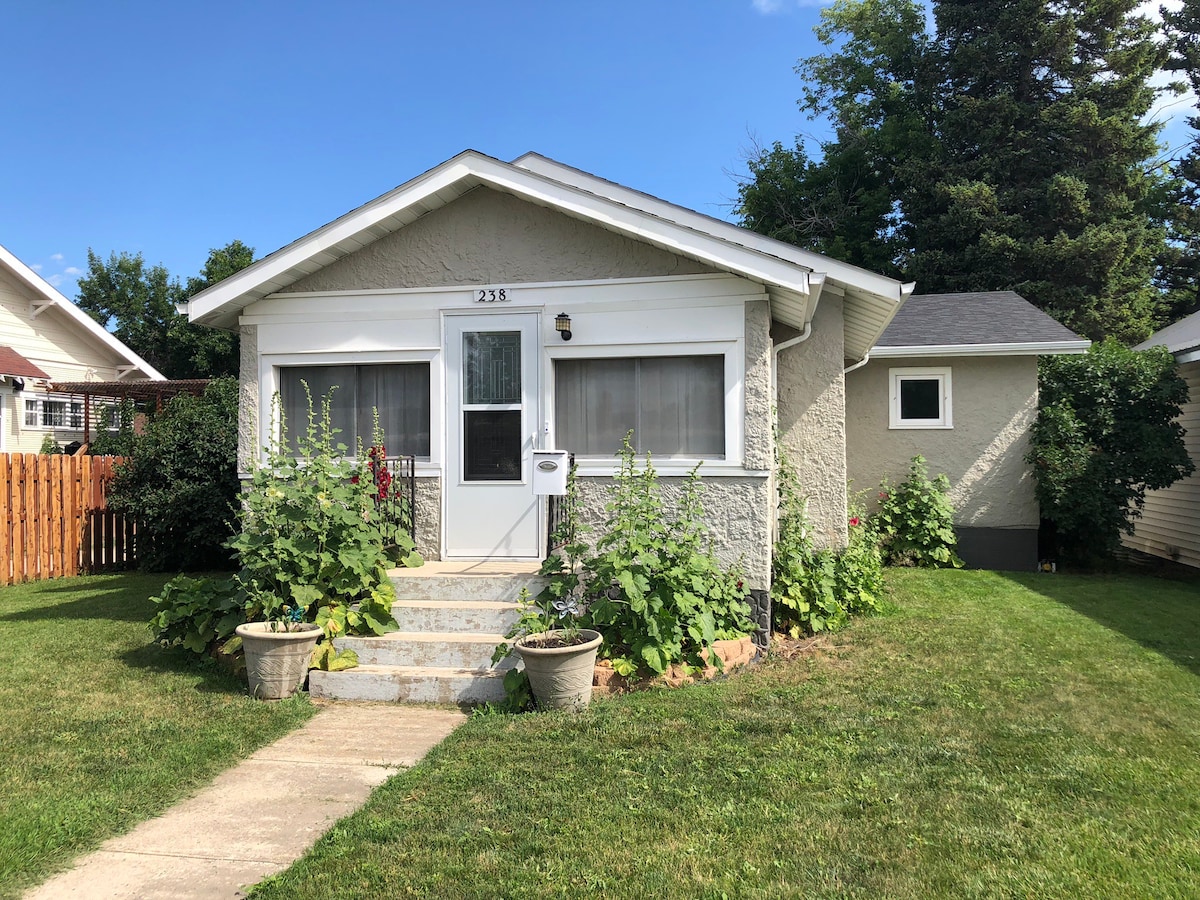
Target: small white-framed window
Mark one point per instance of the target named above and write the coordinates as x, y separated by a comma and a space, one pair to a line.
921, 397
53, 412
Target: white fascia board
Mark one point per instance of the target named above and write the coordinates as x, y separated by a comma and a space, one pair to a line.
352, 223
1046, 348
844, 273
478, 169
1187, 357
43, 288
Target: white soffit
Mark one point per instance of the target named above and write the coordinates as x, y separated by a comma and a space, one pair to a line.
82, 320
786, 279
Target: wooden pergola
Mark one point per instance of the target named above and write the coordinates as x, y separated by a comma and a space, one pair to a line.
142, 390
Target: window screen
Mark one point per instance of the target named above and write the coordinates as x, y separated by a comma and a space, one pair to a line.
675, 405
921, 398
399, 391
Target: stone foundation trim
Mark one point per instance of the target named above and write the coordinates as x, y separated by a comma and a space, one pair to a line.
733, 654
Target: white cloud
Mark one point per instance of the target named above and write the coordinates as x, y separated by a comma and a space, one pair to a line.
57, 257
37, 267
55, 280
72, 270
767, 7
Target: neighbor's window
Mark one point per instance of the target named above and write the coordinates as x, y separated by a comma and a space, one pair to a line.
51, 412
399, 391
675, 405
920, 398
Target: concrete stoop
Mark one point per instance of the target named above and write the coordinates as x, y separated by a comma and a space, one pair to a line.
450, 622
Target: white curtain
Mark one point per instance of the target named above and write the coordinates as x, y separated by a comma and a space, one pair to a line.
675, 405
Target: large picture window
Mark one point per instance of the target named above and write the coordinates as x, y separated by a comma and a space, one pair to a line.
674, 405
399, 391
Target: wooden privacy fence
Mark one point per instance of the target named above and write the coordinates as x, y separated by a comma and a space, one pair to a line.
55, 520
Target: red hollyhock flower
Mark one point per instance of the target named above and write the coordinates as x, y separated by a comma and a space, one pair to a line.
854, 522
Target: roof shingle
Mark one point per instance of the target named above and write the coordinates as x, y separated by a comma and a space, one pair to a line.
976, 317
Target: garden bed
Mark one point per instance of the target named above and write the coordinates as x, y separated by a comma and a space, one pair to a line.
733, 655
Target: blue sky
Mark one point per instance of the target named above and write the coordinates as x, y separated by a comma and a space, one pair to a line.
170, 128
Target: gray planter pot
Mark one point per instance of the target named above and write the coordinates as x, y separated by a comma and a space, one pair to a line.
277, 661
561, 677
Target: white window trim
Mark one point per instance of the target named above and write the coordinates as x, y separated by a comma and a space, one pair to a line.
41, 400
921, 373
268, 382
734, 354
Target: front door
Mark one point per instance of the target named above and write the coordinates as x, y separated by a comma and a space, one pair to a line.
491, 405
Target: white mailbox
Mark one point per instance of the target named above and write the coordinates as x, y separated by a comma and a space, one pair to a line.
550, 469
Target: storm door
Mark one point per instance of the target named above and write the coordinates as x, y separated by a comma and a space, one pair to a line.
491, 407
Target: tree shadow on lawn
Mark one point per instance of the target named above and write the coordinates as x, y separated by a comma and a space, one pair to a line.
214, 678
1161, 614
120, 598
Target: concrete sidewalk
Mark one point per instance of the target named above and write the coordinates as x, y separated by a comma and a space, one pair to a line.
259, 817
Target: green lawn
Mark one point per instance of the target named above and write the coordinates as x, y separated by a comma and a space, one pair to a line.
99, 728
995, 736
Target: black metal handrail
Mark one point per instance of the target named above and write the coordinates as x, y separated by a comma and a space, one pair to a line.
396, 493
560, 513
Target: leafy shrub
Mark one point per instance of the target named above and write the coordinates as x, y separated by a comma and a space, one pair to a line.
817, 590
179, 481
50, 447
196, 613
1105, 434
114, 429
654, 588
915, 521
311, 547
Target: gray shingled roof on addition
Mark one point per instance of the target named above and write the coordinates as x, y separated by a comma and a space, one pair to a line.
973, 318
1180, 337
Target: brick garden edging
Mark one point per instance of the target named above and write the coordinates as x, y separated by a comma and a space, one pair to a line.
734, 655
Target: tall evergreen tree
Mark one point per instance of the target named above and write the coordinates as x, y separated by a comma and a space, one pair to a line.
1010, 143
1179, 271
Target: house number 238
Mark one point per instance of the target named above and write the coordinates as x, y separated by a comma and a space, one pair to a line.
492, 295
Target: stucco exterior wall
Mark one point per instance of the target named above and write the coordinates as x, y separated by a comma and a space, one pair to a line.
1170, 523
994, 405
488, 237
812, 412
737, 511
429, 517
760, 449
248, 448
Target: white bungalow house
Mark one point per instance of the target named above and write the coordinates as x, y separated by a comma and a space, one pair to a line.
489, 310
45, 338
443, 302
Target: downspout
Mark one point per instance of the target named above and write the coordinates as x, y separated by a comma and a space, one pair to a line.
858, 365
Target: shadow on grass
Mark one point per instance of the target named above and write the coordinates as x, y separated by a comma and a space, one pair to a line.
215, 679
1161, 614
121, 598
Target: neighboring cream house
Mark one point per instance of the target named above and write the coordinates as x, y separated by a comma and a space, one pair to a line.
447, 303
1170, 523
44, 338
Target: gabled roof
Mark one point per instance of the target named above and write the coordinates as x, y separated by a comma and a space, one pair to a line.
794, 278
976, 323
13, 363
1182, 338
49, 296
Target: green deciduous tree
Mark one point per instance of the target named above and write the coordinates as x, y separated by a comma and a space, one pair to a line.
1006, 148
137, 303
1105, 434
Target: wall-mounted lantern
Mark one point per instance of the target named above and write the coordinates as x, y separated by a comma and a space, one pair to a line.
562, 324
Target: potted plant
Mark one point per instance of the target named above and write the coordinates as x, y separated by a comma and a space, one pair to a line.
278, 652
559, 655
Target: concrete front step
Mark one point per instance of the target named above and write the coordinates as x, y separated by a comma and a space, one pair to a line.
410, 584
440, 649
408, 684
462, 616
